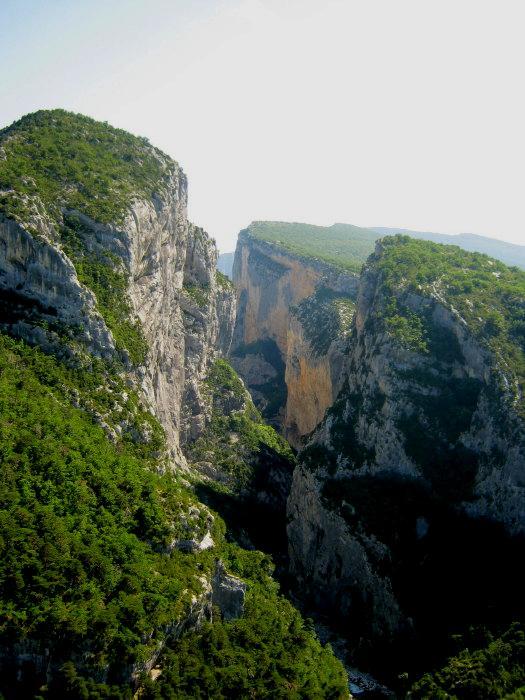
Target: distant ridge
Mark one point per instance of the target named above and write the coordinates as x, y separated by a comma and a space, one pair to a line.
347, 246
509, 253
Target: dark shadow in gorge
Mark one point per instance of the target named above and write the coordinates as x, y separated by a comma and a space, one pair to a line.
455, 574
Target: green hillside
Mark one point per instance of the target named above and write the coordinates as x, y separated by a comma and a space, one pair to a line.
487, 294
53, 160
87, 570
342, 245
348, 246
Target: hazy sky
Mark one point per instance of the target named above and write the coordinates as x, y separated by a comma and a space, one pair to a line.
407, 113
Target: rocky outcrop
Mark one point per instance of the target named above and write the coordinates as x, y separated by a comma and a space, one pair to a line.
228, 593
285, 302
185, 316
39, 283
422, 443
208, 310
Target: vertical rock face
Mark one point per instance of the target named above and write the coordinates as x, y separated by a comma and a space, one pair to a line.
285, 302
185, 316
318, 336
228, 593
423, 441
37, 280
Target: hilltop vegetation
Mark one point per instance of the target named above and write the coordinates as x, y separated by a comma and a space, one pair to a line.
348, 247
508, 253
487, 294
54, 160
342, 245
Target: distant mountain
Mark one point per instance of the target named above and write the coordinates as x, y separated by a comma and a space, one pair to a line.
225, 263
348, 246
509, 253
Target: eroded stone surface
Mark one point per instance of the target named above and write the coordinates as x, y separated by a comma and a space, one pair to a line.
271, 285
228, 593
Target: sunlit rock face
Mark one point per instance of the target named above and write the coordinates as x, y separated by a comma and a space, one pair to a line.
165, 258
292, 323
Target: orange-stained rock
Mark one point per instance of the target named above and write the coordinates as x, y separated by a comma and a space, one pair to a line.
272, 283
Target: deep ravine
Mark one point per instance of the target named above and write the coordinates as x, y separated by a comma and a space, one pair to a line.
203, 483
409, 420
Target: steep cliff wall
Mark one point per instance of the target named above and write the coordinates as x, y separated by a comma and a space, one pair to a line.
174, 313
285, 303
425, 441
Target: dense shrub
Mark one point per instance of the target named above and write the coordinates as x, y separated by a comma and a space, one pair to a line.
494, 671
69, 161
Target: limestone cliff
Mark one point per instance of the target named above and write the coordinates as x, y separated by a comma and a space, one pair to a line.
117, 284
286, 303
425, 442
175, 310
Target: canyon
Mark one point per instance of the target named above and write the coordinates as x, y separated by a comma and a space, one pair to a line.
409, 428
293, 312
352, 408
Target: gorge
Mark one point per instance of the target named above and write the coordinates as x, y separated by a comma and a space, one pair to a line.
408, 416
351, 409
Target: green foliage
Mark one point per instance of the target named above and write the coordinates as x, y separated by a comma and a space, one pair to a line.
107, 278
409, 330
237, 440
84, 525
325, 316
487, 294
61, 160
341, 245
200, 295
222, 377
495, 671
68, 684
509, 253
223, 281
85, 559
267, 653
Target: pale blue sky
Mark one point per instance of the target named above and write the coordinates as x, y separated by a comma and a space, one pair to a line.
403, 113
